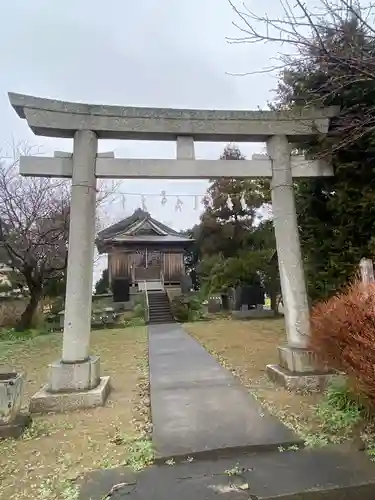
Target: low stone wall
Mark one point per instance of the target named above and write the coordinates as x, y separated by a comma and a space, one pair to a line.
253, 314
173, 292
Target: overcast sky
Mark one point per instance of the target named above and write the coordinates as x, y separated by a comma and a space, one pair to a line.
165, 53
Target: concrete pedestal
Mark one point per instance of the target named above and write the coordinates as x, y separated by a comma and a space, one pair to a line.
64, 377
299, 370
72, 386
45, 401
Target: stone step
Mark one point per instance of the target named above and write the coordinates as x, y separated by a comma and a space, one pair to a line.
159, 308
161, 321
161, 316
292, 475
161, 313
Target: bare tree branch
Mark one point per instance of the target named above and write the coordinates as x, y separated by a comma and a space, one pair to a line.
34, 224
335, 38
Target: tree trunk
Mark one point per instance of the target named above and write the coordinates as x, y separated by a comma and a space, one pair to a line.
28, 314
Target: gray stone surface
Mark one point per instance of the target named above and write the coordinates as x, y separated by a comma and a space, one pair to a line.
15, 428
74, 376
302, 475
11, 393
253, 314
54, 118
197, 406
79, 276
300, 382
292, 274
214, 305
131, 168
48, 402
300, 361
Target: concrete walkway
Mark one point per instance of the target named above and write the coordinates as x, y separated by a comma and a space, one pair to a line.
197, 406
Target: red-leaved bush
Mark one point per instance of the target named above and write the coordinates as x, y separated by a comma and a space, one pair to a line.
343, 335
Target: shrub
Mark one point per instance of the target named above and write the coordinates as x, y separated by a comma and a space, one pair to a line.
139, 310
12, 335
343, 336
132, 322
187, 308
339, 409
10, 311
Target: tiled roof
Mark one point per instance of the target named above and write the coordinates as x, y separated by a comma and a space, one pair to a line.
140, 227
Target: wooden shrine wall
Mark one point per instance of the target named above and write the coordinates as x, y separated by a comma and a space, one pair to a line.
173, 266
120, 264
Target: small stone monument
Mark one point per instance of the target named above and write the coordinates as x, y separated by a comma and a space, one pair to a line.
186, 284
61, 319
366, 267
250, 302
231, 298
12, 421
214, 304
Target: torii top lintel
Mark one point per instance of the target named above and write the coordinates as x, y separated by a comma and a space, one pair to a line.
52, 118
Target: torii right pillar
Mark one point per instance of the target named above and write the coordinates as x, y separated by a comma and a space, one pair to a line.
298, 368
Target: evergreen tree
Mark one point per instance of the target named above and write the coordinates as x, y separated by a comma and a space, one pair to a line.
336, 215
102, 285
232, 247
231, 207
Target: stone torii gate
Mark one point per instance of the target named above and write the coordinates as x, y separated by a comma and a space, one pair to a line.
74, 381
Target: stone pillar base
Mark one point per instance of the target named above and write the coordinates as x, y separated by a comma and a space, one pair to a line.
72, 386
45, 401
16, 427
64, 377
299, 370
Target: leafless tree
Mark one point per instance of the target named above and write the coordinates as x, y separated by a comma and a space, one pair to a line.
300, 28
34, 227
335, 36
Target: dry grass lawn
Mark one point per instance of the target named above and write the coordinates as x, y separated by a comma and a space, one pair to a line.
245, 348
59, 448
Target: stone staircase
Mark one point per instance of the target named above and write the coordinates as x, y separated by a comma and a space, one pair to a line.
159, 307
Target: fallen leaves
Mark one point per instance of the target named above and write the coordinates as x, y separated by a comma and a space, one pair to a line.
58, 449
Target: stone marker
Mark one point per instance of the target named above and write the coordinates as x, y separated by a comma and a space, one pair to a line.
61, 319
214, 305
186, 284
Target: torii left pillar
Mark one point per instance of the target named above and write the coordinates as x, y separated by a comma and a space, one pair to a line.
74, 380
